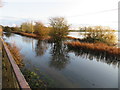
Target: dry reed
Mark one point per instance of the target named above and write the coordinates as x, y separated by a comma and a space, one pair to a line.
101, 47
15, 51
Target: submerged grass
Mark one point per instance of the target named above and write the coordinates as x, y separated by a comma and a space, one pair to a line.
33, 79
38, 81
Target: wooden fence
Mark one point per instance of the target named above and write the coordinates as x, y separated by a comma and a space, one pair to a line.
12, 76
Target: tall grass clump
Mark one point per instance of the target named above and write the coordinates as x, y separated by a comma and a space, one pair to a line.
93, 54
15, 51
98, 47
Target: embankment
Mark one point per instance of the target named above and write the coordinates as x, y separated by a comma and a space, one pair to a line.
32, 35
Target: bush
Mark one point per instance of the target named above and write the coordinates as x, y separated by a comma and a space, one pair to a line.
100, 34
40, 29
15, 28
27, 27
7, 29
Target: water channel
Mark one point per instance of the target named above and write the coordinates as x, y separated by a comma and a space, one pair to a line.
66, 68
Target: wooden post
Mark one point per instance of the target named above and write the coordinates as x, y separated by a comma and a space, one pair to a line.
13, 76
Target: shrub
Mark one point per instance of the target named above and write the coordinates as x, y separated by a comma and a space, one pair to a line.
7, 29
27, 27
101, 34
40, 29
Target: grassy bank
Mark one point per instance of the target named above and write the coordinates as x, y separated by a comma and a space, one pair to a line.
15, 51
42, 38
26, 34
98, 47
32, 35
74, 38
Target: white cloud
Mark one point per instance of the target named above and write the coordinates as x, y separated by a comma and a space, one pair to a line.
42, 9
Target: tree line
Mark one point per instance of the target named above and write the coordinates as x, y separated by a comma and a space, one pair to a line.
59, 28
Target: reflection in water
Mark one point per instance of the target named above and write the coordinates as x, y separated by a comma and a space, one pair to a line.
99, 56
59, 55
41, 47
27, 40
8, 34
70, 71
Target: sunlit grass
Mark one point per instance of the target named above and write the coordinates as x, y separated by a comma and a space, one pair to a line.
15, 51
94, 46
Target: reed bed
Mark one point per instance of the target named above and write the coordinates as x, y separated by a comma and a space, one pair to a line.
99, 56
69, 37
15, 51
26, 34
41, 38
32, 35
100, 47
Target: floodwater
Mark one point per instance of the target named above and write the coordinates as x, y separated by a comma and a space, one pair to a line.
67, 68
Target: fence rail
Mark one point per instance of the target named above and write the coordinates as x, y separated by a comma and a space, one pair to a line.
12, 76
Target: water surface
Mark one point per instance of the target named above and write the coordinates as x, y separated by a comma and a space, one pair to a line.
67, 68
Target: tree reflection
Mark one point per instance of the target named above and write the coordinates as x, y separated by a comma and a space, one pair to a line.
8, 34
99, 56
41, 47
27, 40
60, 56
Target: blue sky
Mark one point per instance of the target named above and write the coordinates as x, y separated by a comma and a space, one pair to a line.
77, 12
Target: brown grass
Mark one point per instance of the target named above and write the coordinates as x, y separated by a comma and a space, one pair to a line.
26, 34
39, 37
101, 47
69, 37
32, 35
15, 51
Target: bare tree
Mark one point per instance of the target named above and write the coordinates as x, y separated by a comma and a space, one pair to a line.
59, 27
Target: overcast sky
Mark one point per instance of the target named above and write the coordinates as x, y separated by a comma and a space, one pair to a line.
77, 12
